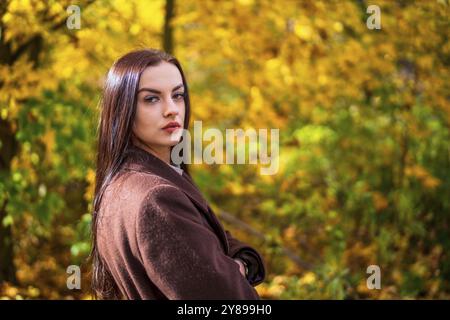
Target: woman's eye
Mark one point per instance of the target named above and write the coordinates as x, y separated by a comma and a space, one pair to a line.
151, 99
179, 96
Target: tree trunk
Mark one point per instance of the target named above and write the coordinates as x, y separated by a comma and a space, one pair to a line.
8, 150
168, 30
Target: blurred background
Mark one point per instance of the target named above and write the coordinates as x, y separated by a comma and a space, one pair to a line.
363, 113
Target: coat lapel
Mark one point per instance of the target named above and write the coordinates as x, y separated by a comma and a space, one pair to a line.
140, 160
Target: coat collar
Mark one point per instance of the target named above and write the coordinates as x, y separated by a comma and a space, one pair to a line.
138, 159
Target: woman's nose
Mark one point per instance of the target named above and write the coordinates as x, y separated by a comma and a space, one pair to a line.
170, 108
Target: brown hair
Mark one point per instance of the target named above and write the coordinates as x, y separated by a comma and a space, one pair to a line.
118, 109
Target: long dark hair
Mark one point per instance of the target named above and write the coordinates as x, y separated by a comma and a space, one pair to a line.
118, 109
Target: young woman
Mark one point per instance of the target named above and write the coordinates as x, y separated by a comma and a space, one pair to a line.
154, 235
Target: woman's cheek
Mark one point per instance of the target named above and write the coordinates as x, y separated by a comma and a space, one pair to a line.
143, 123
146, 116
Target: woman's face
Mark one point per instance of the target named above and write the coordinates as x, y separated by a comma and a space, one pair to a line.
160, 102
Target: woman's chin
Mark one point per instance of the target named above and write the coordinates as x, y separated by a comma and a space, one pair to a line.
171, 144
170, 141
173, 138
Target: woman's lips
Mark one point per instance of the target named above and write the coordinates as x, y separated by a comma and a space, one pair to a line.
171, 129
172, 126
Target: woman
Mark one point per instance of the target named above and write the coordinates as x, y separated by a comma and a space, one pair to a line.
154, 235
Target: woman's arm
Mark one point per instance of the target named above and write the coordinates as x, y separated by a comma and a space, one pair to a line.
182, 257
254, 261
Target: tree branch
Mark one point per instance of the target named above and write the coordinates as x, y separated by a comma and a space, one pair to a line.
244, 226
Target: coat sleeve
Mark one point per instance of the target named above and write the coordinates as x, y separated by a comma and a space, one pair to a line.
255, 262
181, 256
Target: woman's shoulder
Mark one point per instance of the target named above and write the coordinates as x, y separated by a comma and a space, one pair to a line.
128, 195
131, 185
141, 193
128, 189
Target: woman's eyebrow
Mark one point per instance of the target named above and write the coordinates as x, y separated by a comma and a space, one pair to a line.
159, 92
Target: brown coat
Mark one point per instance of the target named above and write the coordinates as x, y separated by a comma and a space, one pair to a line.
161, 240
